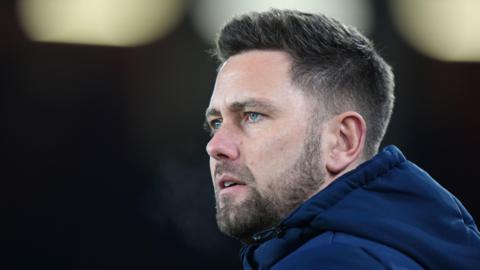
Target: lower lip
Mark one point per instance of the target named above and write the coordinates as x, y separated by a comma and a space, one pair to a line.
233, 189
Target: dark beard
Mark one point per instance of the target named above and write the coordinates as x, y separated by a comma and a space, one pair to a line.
244, 220
287, 191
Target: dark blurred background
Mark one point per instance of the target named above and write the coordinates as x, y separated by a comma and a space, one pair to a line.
102, 149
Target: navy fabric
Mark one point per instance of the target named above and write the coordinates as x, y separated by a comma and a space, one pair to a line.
386, 214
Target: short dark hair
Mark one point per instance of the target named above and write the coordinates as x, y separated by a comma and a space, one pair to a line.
330, 60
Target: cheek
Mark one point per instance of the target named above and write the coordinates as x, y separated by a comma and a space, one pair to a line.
274, 155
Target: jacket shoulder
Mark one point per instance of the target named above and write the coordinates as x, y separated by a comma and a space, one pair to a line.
335, 256
332, 250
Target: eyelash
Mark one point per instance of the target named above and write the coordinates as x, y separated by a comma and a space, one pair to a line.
209, 127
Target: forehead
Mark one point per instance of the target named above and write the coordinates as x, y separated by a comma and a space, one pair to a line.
255, 74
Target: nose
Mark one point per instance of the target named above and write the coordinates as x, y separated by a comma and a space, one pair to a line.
223, 145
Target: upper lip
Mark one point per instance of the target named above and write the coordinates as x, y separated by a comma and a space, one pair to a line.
227, 178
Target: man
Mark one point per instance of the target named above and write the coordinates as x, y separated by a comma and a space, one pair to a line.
300, 106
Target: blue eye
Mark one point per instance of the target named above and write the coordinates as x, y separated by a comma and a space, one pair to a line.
253, 116
216, 123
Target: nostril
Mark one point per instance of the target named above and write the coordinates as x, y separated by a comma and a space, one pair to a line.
221, 156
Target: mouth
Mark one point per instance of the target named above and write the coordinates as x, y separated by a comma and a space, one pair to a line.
227, 182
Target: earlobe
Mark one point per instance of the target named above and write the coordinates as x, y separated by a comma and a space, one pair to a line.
348, 132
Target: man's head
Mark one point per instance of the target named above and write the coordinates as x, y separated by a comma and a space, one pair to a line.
299, 100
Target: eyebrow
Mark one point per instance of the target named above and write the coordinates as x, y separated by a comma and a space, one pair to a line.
242, 105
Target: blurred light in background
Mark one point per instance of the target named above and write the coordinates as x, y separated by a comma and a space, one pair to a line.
99, 22
210, 15
447, 30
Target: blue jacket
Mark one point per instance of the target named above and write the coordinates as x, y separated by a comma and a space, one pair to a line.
386, 214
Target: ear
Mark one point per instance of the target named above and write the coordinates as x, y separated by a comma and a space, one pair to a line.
347, 133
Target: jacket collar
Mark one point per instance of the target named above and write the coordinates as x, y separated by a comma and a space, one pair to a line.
273, 244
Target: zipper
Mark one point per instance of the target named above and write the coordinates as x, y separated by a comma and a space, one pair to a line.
268, 234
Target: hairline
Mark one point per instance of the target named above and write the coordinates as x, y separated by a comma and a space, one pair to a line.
319, 81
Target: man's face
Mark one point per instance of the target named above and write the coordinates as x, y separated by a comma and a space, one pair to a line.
264, 152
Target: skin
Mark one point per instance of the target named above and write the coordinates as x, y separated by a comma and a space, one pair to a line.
266, 138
